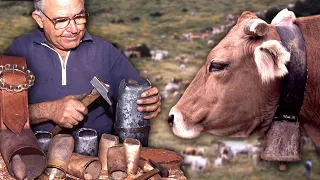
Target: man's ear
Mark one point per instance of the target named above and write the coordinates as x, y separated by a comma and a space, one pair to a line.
37, 17
271, 58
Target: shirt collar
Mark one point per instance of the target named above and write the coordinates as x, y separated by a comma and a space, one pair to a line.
40, 38
87, 37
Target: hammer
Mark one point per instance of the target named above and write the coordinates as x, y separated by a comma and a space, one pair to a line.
100, 88
158, 169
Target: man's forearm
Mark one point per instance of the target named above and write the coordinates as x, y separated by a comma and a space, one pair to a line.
40, 112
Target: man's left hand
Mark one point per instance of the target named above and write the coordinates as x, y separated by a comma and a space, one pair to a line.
150, 103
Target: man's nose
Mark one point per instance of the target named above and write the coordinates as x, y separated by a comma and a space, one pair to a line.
72, 27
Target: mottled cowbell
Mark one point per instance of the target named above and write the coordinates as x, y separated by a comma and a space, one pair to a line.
130, 122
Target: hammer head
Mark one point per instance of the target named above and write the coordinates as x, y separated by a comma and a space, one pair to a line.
163, 172
102, 88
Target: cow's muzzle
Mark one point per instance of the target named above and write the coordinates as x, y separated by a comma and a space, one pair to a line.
182, 127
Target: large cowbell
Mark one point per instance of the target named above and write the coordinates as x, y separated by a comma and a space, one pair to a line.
129, 122
282, 142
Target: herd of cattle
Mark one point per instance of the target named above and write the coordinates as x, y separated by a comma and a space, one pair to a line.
206, 33
227, 153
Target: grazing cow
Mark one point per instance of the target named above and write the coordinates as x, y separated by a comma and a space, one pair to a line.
197, 151
189, 151
235, 147
220, 161
237, 91
159, 55
182, 67
175, 36
140, 50
196, 163
157, 78
173, 86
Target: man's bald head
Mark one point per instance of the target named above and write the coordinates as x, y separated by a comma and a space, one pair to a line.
40, 4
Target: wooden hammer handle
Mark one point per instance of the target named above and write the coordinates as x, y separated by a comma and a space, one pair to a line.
148, 174
87, 100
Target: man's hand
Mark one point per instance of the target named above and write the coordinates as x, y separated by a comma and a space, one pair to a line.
150, 103
68, 111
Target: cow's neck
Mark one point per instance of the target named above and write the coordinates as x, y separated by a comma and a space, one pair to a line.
310, 111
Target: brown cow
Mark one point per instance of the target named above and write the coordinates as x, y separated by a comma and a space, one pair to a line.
236, 92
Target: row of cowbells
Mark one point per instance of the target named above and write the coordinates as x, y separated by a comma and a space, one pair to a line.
61, 161
29, 161
25, 159
113, 160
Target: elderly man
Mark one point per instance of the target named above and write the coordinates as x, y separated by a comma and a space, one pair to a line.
64, 58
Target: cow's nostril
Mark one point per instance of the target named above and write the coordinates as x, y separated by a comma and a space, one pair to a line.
170, 120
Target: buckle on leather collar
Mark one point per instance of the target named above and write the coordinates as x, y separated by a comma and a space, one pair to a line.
289, 118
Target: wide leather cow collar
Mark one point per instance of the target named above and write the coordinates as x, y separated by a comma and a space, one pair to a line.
294, 83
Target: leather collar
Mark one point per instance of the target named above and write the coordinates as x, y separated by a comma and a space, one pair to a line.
294, 83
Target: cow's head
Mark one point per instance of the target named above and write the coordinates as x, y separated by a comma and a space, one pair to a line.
236, 91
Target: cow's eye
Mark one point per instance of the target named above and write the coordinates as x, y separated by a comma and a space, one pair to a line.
217, 67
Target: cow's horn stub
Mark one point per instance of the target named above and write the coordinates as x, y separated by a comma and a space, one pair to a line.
256, 27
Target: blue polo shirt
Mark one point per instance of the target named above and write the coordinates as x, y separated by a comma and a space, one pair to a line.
55, 79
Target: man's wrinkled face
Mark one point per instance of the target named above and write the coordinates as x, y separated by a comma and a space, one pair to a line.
69, 37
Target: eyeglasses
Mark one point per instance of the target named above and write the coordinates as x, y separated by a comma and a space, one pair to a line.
63, 22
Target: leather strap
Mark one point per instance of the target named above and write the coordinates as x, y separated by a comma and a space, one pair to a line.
13, 106
294, 83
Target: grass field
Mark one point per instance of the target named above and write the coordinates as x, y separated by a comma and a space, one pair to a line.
180, 17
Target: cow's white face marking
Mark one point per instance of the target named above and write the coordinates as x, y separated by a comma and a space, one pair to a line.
183, 130
271, 58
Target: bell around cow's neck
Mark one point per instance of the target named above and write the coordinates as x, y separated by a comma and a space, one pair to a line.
282, 142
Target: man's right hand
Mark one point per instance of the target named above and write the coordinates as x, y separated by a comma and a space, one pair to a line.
68, 111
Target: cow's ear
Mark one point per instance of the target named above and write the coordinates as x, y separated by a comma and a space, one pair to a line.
256, 27
270, 58
247, 15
